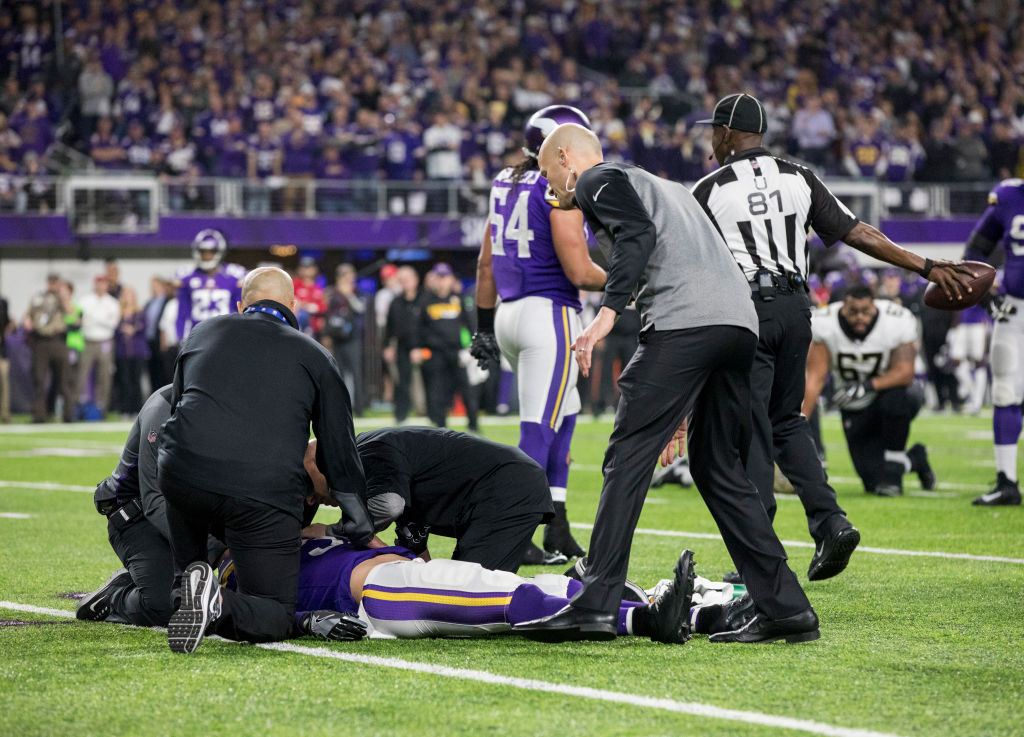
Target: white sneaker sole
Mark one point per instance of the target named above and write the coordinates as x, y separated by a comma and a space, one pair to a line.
200, 605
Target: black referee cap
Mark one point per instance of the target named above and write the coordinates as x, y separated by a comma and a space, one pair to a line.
741, 112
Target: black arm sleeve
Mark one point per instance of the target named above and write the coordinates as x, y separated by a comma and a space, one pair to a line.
609, 201
831, 220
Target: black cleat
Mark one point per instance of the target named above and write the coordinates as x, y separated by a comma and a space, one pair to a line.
832, 554
724, 617
1005, 493
918, 456
570, 624
95, 607
670, 607
200, 606
630, 591
558, 537
534, 556
802, 627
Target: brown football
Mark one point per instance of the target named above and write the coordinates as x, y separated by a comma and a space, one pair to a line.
935, 297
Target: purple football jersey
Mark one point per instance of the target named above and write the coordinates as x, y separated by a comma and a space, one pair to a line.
203, 294
524, 259
325, 570
1003, 222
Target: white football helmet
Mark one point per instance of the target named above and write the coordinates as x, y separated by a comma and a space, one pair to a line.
207, 241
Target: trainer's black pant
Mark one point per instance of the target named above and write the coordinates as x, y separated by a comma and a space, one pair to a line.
780, 433
264, 543
705, 371
403, 385
507, 506
147, 556
882, 425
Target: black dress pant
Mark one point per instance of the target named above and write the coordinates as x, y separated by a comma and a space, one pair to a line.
703, 373
146, 602
507, 506
403, 385
264, 543
443, 375
882, 425
780, 433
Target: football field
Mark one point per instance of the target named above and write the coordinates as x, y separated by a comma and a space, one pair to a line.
922, 635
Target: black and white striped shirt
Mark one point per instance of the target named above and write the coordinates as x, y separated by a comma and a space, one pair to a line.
763, 206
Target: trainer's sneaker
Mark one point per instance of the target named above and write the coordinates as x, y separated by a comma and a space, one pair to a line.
630, 591
95, 607
558, 537
670, 608
534, 556
200, 606
1005, 493
918, 456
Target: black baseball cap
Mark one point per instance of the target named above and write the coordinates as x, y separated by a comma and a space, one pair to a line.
741, 112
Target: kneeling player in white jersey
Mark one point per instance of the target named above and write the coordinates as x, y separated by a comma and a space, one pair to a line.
535, 257
397, 595
1003, 224
870, 345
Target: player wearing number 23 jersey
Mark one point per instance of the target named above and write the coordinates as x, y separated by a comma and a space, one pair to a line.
535, 258
209, 288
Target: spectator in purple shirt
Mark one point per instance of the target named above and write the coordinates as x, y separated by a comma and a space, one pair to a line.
232, 155
34, 128
135, 95
332, 197
140, 153
298, 157
104, 148
209, 128
130, 354
264, 162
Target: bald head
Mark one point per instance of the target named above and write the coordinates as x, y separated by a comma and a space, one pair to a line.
267, 282
568, 151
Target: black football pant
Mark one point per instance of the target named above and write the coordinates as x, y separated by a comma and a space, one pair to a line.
147, 556
780, 433
507, 506
704, 371
264, 543
882, 425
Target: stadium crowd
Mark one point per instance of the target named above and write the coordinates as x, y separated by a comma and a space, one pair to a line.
415, 90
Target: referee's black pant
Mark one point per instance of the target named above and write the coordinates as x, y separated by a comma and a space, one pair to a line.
705, 371
264, 543
780, 433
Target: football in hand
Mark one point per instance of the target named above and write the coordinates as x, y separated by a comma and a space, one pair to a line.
935, 297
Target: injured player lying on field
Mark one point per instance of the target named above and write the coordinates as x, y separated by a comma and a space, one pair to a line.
346, 593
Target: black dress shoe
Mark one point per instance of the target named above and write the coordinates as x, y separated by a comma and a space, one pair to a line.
732, 577
569, 624
832, 554
802, 627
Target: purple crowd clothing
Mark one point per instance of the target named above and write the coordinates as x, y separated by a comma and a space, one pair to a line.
523, 254
400, 154
300, 153
973, 315
203, 294
139, 153
866, 154
101, 143
266, 153
130, 338
903, 159
233, 156
1003, 224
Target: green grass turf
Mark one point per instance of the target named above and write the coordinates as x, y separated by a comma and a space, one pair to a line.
910, 645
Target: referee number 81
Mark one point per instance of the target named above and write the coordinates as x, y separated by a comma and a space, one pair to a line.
757, 202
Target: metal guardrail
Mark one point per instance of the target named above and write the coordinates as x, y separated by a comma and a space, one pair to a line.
99, 201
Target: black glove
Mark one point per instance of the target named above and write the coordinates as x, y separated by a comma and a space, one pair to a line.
412, 536
999, 308
337, 626
484, 348
355, 525
852, 393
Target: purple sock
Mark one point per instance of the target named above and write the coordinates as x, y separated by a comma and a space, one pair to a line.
529, 602
535, 440
557, 465
1006, 424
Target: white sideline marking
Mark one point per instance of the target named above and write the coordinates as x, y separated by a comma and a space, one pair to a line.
16, 515
803, 544
45, 486
529, 684
63, 452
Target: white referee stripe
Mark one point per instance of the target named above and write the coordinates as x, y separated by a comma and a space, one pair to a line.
804, 544
529, 684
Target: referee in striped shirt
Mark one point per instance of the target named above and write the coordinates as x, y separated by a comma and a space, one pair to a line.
762, 206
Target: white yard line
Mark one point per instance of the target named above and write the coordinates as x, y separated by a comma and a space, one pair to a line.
805, 544
16, 515
45, 486
528, 684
